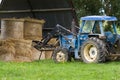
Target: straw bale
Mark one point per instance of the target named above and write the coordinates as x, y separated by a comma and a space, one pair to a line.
22, 51
22, 59
33, 20
7, 51
42, 57
22, 43
33, 29
12, 28
53, 41
35, 54
19, 51
6, 47
48, 54
7, 57
23, 48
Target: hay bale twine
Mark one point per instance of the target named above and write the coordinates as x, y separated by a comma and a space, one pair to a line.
12, 28
33, 29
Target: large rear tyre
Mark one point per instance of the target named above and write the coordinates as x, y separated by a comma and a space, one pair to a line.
93, 51
60, 55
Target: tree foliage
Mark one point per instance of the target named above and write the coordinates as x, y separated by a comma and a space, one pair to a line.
87, 7
92, 7
115, 8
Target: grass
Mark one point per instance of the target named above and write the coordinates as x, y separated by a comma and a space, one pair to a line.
48, 70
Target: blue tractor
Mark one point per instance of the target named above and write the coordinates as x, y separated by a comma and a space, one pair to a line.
96, 41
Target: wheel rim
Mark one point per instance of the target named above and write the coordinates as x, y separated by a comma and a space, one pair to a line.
90, 52
60, 57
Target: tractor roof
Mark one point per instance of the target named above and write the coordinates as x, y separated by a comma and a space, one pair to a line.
108, 18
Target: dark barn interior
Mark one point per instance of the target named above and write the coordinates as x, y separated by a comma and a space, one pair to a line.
52, 11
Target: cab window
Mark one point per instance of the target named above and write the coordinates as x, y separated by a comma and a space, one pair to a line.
88, 26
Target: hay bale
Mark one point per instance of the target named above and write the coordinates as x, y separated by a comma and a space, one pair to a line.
48, 54
7, 57
19, 51
42, 57
35, 54
22, 59
7, 51
53, 41
33, 29
23, 48
22, 43
12, 28
6, 47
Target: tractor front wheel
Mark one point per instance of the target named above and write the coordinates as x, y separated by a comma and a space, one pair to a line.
93, 51
60, 55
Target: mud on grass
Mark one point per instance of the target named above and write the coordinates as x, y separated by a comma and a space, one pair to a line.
48, 70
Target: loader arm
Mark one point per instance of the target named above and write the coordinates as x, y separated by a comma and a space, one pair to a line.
57, 31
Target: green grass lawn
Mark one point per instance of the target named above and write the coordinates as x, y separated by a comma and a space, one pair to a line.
48, 70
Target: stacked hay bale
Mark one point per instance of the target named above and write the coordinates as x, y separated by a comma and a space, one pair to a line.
13, 43
7, 50
48, 53
23, 50
12, 28
33, 29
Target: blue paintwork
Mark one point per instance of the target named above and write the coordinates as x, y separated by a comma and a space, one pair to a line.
75, 42
66, 43
71, 42
111, 37
108, 18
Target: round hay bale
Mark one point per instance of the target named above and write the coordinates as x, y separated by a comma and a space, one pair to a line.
23, 48
48, 54
6, 47
22, 43
7, 51
12, 28
35, 54
33, 29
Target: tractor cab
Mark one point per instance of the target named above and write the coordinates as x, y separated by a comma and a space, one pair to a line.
100, 26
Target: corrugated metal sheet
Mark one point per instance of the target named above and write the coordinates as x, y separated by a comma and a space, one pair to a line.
52, 11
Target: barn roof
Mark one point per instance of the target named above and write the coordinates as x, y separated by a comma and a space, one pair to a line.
108, 18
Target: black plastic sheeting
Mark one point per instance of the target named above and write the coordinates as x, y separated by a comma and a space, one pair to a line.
63, 17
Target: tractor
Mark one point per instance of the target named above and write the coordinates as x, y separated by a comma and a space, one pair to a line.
96, 41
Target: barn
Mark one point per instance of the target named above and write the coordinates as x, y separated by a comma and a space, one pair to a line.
52, 11
15, 32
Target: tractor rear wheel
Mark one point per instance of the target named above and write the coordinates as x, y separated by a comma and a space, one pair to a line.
60, 55
93, 51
